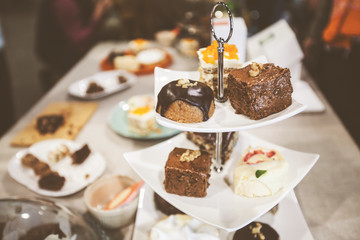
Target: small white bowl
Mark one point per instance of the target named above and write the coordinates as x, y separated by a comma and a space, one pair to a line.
98, 194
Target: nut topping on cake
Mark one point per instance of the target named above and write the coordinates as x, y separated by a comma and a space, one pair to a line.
255, 69
189, 156
185, 83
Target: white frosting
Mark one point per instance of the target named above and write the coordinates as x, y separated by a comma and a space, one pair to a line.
245, 181
141, 123
150, 56
180, 227
228, 63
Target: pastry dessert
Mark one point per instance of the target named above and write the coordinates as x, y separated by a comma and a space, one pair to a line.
258, 91
59, 153
181, 226
80, 155
49, 123
189, 46
206, 142
187, 172
126, 62
94, 88
139, 44
35, 164
256, 231
164, 206
260, 172
208, 58
186, 101
141, 115
51, 181
166, 37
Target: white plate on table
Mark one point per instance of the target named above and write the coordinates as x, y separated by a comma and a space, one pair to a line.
221, 207
119, 123
289, 221
77, 176
107, 79
304, 94
224, 118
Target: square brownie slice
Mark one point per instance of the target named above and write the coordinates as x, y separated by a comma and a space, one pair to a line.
258, 91
187, 172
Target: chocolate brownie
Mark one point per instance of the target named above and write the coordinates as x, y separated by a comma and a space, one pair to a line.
256, 231
51, 181
49, 123
94, 88
164, 206
186, 101
206, 142
187, 172
80, 155
258, 91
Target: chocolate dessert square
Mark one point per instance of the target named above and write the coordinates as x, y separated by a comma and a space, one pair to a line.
187, 172
51, 181
258, 91
80, 155
206, 142
49, 123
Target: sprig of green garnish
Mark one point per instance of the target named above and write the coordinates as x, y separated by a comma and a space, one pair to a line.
258, 173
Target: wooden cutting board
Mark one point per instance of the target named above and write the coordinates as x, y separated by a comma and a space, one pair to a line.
76, 114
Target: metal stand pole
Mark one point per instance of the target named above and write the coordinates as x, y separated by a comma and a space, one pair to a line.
220, 96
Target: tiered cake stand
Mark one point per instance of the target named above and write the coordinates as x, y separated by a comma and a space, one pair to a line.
221, 207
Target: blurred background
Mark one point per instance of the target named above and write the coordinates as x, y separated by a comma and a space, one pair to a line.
34, 33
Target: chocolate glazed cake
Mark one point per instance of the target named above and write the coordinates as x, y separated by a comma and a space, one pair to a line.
186, 101
187, 172
258, 91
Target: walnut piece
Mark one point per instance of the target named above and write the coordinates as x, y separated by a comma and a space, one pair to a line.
190, 155
255, 69
185, 83
257, 231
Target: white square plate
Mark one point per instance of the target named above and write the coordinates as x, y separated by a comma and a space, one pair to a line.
288, 221
224, 118
77, 176
221, 207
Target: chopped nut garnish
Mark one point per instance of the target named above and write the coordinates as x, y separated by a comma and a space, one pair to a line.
256, 231
185, 83
255, 69
189, 155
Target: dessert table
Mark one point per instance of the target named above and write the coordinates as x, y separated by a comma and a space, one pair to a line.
329, 195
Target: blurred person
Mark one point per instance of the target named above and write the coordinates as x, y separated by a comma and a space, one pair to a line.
66, 30
6, 106
143, 18
332, 54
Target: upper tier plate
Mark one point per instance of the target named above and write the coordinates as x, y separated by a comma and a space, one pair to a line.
221, 207
224, 118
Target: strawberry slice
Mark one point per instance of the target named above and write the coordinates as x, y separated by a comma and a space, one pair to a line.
124, 196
